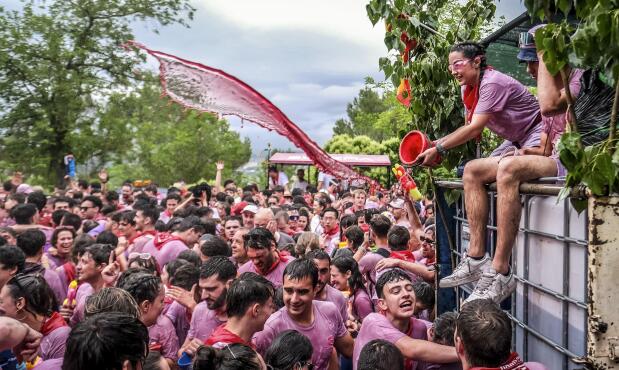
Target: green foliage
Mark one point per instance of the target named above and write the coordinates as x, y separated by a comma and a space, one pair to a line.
171, 144
594, 44
59, 61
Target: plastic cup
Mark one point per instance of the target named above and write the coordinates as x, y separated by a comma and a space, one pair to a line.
413, 144
184, 362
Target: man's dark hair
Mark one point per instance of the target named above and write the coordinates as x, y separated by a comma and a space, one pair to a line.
378, 354
190, 256
175, 264
318, 254
210, 226
111, 196
425, 294
57, 216
300, 269
128, 217
444, 328
391, 276
64, 199
71, 219
191, 222
83, 183
259, 238
483, 318
245, 291
100, 253
398, 237
148, 211
185, 276
23, 213
174, 196
239, 219
12, 257
348, 221
3, 241
368, 214
106, 341
142, 286
355, 235
231, 357
40, 298
380, 225
212, 246
38, 199
288, 349
222, 266
330, 209
31, 241
96, 201
107, 237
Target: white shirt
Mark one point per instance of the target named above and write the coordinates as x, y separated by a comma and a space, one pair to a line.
282, 180
326, 180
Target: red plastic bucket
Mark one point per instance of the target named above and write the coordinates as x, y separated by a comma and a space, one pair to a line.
413, 144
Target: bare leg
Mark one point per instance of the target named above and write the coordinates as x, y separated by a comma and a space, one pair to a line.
511, 172
477, 173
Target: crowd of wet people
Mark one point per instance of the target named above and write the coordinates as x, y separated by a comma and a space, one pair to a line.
291, 276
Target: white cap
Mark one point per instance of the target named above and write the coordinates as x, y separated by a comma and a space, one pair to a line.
250, 208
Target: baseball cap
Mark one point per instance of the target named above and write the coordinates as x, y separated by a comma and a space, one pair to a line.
526, 44
250, 208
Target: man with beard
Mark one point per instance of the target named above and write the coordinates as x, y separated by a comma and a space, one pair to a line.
145, 217
395, 323
216, 275
319, 321
264, 258
324, 291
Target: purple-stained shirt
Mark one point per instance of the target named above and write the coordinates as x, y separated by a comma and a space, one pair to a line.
83, 292
451, 366
377, 326
367, 267
56, 261
361, 304
140, 242
53, 280
53, 344
177, 313
53, 364
163, 333
514, 111
203, 322
337, 298
322, 333
276, 276
167, 253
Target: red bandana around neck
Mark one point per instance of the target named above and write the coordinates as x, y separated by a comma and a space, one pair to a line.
403, 255
514, 362
162, 239
282, 256
471, 98
333, 231
52, 323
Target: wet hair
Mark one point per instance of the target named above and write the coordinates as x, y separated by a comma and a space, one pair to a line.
112, 196
347, 221
379, 354
57, 216
111, 299
23, 213
318, 254
186, 276
191, 257
248, 289
211, 246
58, 230
380, 225
31, 241
191, 222
141, 285
470, 50
398, 237
300, 269
288, 349
71, 219
106, 341
148, 211
347, 263
259, 238
12, 257
100, 253
150, 264
390, 276
128, 217
39, 297
424, 293
222, 266
356, 235
38, 199
80, 243
483, 318
107, 237
278, 297
230, 357
444, 328
152, 361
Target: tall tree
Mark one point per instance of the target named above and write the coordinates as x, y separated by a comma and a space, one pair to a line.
59, 59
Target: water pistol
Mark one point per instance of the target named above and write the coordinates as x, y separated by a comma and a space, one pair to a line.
407, 182
71, 294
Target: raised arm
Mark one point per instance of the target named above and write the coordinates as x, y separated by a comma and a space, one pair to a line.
422, 350
550, 90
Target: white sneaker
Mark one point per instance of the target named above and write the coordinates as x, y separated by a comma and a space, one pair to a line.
467, 271
494, 286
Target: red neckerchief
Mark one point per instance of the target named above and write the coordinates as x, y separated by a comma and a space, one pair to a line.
514, 362
52, 323
403, 255
470, 100
332, 232
69, 270
282, 256
142, 233
222, 337
430, 261
162, 239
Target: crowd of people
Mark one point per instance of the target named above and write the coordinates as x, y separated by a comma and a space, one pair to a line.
293, 276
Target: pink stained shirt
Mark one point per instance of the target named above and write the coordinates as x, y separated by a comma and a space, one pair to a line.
322, 333
337, 298
53, 344
203, 322
377, 326
361, 305
177, 313
167, 253
163, 333
275, 276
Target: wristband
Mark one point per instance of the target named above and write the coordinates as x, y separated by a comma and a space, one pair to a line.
441, 149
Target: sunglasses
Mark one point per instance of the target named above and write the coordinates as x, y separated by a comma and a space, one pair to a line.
526, 40
458, 65
293, 218
427, 240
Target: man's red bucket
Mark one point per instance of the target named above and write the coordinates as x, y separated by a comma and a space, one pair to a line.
413, 144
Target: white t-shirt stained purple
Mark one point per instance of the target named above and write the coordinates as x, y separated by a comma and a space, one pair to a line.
203, 322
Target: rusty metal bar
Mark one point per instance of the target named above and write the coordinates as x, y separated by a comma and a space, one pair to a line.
525, 188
